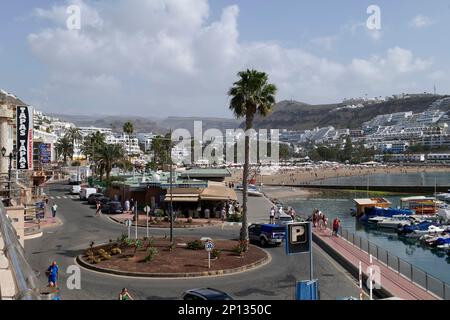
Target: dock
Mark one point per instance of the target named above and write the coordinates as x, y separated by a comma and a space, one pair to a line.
348, 255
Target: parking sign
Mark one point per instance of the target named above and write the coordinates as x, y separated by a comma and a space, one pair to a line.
298, 238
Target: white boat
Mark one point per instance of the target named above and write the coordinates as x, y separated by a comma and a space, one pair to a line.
375, 220
393, 223
430, 230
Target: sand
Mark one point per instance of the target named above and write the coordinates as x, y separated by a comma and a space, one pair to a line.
305, 176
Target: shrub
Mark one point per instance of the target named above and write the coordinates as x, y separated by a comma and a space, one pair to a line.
116, 251
240, 248
190, 220
151, 253
196, 245
89, 253
215, 254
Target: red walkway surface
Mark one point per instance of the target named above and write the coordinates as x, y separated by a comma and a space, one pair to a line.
396, 284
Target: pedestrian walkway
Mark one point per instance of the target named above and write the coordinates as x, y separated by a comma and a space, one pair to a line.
391, 281
64, 197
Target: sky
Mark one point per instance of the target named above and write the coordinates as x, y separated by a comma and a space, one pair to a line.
158, 58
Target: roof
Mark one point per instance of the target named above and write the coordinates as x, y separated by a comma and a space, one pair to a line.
371, 201
218, 192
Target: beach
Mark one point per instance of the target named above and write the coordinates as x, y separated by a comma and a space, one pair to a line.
299, 176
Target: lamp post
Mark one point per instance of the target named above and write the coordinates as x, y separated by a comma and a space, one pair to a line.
11, 157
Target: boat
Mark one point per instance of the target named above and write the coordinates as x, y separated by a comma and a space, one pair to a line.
444, 212
420, 205
384, 212
394, 222
409, 229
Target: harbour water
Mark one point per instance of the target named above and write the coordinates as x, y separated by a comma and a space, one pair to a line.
339, 204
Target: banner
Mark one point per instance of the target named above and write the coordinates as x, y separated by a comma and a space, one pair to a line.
24, 122
45, 153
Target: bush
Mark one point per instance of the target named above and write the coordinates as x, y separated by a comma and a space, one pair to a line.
116, 251
196, 245
190, 220
240, 248
215, 254
151, 253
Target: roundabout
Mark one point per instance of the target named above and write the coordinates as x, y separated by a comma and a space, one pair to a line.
157, 258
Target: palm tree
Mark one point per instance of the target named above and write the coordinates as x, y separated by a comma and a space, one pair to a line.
252, 94
109, 155
64, 147
128, 128
75, 136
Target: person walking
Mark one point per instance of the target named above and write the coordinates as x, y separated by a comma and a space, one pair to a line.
336, 225
54, 208
132, 205
272, 215
52, 275
125, 295
223, 214
98, 207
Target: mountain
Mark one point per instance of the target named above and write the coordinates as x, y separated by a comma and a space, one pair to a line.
116, 123
295, 115
207, 123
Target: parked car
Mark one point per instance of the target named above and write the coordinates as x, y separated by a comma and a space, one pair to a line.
267, 234
112, 207
205, 294
74, 180
86, 192
92, 199
284, 219
76, 189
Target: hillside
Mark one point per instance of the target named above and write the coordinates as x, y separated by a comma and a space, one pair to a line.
295, 115
207, 123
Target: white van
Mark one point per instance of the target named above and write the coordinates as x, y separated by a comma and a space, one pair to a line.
86, 192
76, 189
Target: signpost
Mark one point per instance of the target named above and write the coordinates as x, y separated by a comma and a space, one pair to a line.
209, 246
137, 220
128, 224
24, 124
147, 211
299, 241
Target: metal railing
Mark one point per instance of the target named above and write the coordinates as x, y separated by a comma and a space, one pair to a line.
414, 274
24, 277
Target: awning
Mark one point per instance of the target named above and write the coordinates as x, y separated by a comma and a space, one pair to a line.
183, 195
178, 198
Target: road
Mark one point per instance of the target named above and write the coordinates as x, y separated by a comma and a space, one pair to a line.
274, 281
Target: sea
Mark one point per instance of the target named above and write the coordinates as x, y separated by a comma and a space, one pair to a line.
339, 204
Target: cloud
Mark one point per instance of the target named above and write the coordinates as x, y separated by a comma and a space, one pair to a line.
421, 21
167, 57
326, 43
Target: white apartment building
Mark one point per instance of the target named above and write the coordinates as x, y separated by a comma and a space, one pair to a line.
130, 144
86, 131
145, 139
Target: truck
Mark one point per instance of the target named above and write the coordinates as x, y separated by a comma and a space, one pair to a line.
267, 234
86, 192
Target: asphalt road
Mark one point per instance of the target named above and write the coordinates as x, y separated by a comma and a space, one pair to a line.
273, 281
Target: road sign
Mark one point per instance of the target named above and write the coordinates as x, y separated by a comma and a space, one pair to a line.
298, 238
147, 209
209, 246
128, 222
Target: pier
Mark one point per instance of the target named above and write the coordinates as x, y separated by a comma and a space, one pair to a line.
393, 283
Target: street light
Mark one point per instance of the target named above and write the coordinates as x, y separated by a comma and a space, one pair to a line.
11, 157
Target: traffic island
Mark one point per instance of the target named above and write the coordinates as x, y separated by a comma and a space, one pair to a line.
157, 258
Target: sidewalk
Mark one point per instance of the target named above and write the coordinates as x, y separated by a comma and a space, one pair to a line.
391, 281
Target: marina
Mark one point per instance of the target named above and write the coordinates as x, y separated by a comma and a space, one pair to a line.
432, 259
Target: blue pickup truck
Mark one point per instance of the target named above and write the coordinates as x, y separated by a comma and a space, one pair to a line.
267, 234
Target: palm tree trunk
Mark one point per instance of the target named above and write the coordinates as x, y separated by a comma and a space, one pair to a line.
244, 229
